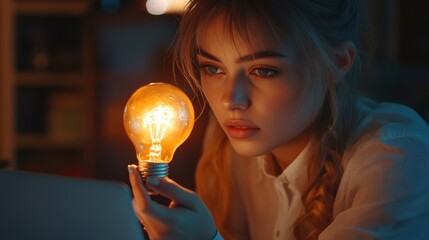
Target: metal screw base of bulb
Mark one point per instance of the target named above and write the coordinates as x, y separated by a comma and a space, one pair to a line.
153, 170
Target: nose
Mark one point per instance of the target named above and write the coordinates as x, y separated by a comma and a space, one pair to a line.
235, 96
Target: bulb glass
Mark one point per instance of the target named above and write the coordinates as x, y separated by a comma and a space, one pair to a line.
158, 118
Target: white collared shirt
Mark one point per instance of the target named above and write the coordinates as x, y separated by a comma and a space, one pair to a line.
266, 196
383, 194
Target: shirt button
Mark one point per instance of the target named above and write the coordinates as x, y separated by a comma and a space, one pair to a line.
277, 233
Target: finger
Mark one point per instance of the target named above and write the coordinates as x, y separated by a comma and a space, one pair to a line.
172, 190
141, 197
143, 204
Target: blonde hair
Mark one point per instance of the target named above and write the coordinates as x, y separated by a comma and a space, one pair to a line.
317, 28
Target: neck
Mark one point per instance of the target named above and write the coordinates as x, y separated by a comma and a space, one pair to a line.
285, 154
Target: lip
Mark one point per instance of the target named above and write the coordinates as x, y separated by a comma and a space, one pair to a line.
240, 129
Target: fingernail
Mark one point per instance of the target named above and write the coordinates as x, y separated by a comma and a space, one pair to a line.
130, 169
152, 181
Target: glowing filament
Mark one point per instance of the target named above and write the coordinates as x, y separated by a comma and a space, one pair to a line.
158, 121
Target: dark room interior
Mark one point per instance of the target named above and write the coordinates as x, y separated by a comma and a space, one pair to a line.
68, 67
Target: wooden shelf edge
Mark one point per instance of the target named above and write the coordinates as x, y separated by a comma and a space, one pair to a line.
77, 7
68, 79
40, 141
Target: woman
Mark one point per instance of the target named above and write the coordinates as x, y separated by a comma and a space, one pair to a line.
291, 151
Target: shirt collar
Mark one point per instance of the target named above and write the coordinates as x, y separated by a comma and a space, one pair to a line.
295, 173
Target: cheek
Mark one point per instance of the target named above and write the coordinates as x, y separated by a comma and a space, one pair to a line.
305, 108
282, 98
277, 111
293, 111
207, 91
280, 111
312, 98
211, 93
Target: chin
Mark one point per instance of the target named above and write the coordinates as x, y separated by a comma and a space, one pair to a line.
247, 149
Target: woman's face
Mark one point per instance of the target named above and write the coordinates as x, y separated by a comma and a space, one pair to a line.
254, 88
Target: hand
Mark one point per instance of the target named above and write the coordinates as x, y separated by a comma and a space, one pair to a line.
185, 218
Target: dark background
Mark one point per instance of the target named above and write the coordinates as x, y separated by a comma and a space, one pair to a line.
126, 50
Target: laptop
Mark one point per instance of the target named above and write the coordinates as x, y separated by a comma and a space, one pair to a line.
43, 206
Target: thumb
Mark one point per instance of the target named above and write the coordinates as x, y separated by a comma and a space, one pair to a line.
175, 192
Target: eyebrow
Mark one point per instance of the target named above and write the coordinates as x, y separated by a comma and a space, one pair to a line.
245, 58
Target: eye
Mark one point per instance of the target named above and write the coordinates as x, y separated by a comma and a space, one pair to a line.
264, 72
210, 69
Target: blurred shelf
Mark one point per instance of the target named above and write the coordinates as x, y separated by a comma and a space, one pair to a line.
49, 66
54, 7
46, 142
51, 79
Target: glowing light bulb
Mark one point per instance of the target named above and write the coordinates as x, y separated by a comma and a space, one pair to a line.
158, 117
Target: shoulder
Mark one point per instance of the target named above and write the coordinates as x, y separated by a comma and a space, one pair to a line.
389, 152
391, 120
386, 176
389, 128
